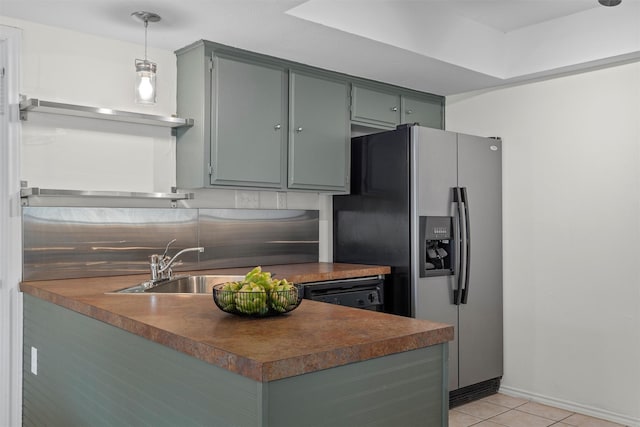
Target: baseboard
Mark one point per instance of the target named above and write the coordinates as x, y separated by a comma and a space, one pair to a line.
572, 406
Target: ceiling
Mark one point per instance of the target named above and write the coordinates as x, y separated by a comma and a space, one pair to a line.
440, 46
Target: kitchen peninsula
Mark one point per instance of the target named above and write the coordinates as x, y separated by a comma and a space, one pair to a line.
132, 359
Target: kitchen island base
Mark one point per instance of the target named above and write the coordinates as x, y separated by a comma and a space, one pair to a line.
92, 373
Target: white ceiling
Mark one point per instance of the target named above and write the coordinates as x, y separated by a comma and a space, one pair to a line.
439, 46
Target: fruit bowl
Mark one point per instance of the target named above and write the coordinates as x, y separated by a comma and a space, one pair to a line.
257, 302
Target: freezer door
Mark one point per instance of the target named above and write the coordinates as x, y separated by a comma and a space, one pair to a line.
434, 175
372, 224
480, 319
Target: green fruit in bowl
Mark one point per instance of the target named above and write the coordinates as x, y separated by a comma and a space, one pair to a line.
283, 296
251, 299
257, 294
227, 295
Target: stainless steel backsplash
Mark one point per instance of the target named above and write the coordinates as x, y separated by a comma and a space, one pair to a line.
71, 242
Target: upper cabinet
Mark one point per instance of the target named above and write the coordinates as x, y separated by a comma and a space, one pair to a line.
371, 107
319, 134
248, 124
240, 109
427, 112
260, 123
266, 123
387, 107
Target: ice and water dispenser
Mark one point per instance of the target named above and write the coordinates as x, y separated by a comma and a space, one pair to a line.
436, 246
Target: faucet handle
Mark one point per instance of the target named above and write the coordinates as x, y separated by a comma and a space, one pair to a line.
167, 248
155, 265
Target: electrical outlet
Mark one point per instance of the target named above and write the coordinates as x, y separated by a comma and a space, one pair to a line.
281, 200
247, 199
34, 360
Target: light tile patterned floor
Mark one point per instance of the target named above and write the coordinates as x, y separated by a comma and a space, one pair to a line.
500, 410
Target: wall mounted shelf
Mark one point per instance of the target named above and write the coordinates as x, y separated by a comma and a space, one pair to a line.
29, 192
38, 105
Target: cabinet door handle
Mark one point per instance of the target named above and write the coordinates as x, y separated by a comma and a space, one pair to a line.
299, 129
277, 127
409, 111
394, 108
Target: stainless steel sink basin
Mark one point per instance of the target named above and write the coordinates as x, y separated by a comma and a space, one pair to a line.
192, 284
182, 285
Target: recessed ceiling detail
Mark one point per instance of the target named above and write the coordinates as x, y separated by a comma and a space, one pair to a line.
514, 15
502, 39
439, 46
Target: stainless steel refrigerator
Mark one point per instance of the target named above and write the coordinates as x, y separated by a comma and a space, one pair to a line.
428, 203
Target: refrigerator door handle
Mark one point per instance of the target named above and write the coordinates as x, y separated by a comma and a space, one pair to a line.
467, 243
457, 198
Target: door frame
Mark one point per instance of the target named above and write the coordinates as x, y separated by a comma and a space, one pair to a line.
11, 230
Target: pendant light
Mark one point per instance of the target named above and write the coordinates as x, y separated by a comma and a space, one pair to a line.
609, 2
145, 89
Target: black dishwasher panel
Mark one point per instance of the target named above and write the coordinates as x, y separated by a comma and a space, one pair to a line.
363, 292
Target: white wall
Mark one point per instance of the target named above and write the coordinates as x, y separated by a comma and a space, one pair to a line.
71, 153
571, 182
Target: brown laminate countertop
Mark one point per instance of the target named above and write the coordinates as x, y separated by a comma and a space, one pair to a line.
315, 336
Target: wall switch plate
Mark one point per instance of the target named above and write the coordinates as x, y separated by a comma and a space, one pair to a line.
34, 360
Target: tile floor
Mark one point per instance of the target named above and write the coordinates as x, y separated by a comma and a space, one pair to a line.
500, 410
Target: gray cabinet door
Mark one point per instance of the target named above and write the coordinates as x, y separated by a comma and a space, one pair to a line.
426, 113
248, 124
375, 108
319, 133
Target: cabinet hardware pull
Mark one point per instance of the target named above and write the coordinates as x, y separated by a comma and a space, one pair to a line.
277, 127
409, 111
394, 108
299, 129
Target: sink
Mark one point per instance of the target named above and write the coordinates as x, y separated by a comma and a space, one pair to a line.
182, 285
192, 284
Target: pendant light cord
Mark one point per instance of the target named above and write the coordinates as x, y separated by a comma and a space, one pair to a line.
146, 24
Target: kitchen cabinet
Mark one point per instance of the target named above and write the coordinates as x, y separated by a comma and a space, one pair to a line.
239, 106
374, 107
242, 135
120, 359
385, 108
319, 134
248, 123
426, 113
268, 123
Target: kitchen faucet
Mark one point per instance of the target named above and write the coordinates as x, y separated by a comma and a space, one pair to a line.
161, 264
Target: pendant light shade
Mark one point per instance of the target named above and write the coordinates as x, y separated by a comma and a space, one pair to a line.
145, 89
145, 86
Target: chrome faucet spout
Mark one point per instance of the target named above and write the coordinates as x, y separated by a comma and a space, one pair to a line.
172, 260
161, 264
